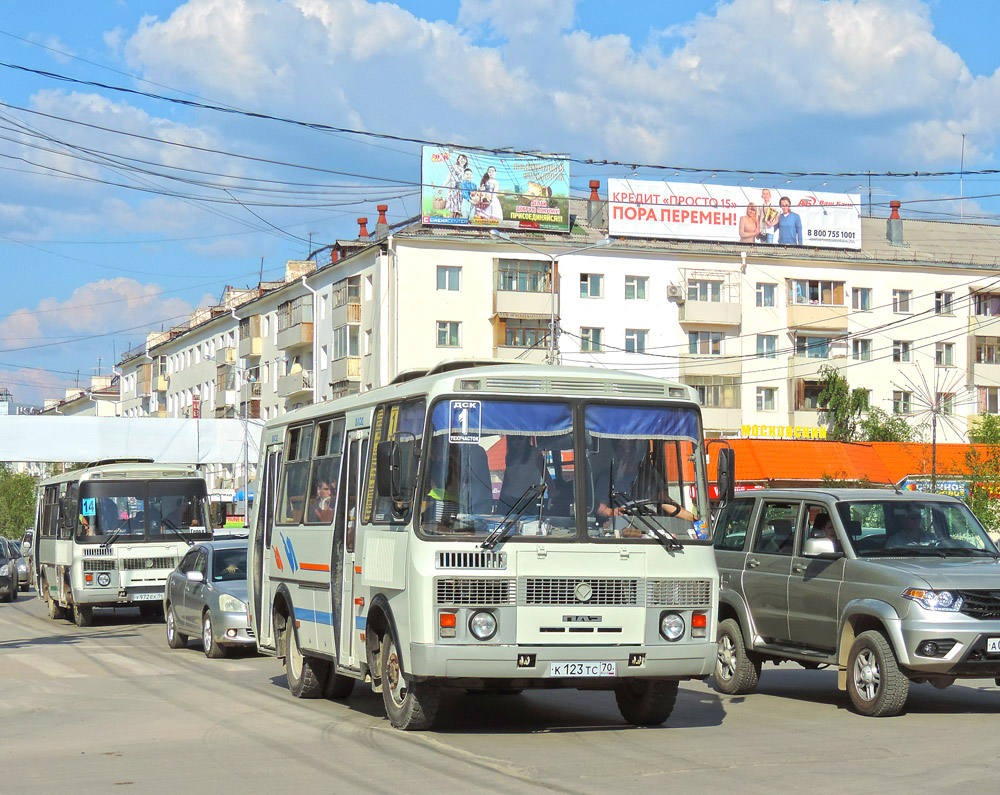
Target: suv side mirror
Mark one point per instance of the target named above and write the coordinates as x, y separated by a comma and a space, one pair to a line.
820, 548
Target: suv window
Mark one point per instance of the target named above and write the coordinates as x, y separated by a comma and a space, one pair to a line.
776, 529
733, 524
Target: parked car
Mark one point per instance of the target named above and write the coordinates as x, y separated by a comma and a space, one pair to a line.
206, 597
8, 572
887, 587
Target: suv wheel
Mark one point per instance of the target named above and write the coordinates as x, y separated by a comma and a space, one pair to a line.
874, 682
737, 671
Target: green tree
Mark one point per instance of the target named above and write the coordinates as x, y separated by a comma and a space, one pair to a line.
983, 466
843, 406
17, 502
877, 426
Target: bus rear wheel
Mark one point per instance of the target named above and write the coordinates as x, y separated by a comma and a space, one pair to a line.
409, 705
83, 615
646, 702
306, 675
55, 611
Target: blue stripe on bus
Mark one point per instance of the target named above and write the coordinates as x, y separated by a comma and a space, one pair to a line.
314, 616
360, 622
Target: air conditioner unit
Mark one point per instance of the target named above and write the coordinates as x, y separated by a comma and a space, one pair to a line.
675, 292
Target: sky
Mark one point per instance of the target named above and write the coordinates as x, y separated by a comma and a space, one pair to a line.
123, 206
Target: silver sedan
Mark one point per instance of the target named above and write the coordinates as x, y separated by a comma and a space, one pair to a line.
206, 597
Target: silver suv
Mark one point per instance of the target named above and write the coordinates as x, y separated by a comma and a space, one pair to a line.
889, 587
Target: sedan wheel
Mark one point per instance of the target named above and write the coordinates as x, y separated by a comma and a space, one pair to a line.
212, 649
175, 639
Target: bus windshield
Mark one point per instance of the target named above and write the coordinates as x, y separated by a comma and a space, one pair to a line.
137, 511
514, 457
510, 465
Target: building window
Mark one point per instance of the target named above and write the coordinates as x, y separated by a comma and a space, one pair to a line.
812, 347
901, 350
523, 276
946, 402
591, 285
862, 349
944, 354
901, 300
987, 350
345, 341
805, 291
987, 304
861, 298
590, 339
716, 391
765, 294
704, 290
767, 346
635, 288
943, 303
988, 399
709, 342
766, 398
807, 398
448, 277
526, 333
448, 334
901, 402
635, 340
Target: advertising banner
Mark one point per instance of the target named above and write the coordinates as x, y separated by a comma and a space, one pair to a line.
494, 189
733, 214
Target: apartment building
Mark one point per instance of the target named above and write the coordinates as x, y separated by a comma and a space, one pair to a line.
99, 399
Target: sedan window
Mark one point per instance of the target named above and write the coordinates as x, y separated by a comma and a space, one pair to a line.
229, 564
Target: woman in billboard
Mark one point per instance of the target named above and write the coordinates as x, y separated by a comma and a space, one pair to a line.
489, 200
749, 224
456, 170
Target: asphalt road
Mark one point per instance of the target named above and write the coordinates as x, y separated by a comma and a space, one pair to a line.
110, 708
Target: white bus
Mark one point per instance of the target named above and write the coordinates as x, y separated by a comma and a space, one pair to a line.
107, 535
494, 527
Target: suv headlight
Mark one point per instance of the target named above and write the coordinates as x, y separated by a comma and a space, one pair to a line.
4, 570
230, 604
944, 601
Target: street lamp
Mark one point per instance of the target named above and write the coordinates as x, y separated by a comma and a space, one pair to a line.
552, 278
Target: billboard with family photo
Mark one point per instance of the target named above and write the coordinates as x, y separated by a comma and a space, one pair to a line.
733, 214
494, 189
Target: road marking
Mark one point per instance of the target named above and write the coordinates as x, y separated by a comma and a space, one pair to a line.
129, 664
44, 665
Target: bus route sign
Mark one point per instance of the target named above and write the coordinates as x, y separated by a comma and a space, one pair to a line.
466, 421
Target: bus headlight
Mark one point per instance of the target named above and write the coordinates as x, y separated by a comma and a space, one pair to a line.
671, 626
104, 579
483, 625
230, 604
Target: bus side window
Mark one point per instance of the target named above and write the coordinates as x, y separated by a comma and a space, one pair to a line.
295, 475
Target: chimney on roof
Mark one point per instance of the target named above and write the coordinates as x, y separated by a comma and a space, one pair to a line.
363, 231
596, 209
381, 225
894, 226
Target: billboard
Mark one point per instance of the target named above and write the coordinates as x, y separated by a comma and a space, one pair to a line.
759, 215
494, 189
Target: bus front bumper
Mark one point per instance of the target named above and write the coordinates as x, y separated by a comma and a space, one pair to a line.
674, 661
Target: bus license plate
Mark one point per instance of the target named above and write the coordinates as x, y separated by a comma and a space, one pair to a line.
582, 669
146, 597
993, 645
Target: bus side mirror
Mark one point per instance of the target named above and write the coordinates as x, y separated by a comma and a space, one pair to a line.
396, 468
386, 469
726, 475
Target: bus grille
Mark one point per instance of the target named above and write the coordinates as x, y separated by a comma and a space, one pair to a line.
94, 552
578, 591
678, 593
472, 560
475, 591
98, 565
141, 564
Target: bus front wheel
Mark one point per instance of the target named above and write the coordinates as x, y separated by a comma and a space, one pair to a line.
83, 616
409, 705
646, 702
306, 675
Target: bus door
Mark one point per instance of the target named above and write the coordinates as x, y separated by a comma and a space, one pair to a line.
343, 553
261, 547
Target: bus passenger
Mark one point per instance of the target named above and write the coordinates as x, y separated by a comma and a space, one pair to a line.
321, 505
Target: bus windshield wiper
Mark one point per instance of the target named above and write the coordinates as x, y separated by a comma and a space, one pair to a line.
533, 492
112, 538
642, 510
177, 532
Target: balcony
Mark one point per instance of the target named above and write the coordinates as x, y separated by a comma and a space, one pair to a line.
817, 317
160, 383
295, 383
701, 364
808, 367
250, 337
507, 353
984, 325
225, 412
720, 419
296, 335
514, 303
345, 313
711, 313
250, 409
345, 368
251, 346
986, 373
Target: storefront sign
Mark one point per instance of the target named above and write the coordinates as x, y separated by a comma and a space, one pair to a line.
733, 214
783, 432
494, 189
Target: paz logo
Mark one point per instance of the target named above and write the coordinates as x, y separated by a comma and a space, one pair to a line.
289, 553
